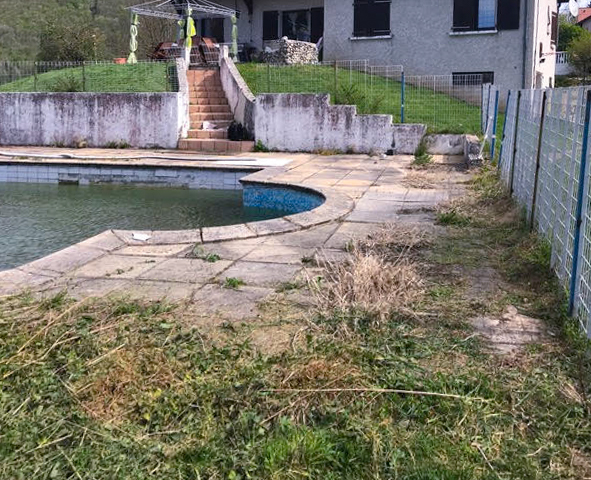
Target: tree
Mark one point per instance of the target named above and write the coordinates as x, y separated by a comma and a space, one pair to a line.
579, 53
70, 41
567, 33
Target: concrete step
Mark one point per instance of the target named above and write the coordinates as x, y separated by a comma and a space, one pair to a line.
210, 109
209, 101
206, 87
204, 94
221, 134
211, 117
215, 146
218, 124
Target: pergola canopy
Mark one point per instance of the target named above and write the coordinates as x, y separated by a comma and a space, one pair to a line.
177, 9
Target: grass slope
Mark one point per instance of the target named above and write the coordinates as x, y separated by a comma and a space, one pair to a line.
142, 77
117, 389
440, 112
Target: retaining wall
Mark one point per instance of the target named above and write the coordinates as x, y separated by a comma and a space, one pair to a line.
308, 123
239, 96
141, 120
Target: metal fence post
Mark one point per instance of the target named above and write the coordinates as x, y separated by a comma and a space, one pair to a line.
35, 75
538, 155
514, 154
336, 81
572, 294
482, 107
494, 127
402, 96
487, 111
504, 128
84, 76
268, 78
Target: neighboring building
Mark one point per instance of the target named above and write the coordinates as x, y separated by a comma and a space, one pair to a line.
584, 18
511, 42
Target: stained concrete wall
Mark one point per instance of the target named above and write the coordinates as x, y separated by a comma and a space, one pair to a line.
239, 96
307, 123
143, 120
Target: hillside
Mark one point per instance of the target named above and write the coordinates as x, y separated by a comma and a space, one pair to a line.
20, 24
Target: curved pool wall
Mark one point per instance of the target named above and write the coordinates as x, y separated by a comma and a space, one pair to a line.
291, 199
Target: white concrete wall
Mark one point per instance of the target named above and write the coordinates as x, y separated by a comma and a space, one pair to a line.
540, 61
307, 123
143, 120
239, 96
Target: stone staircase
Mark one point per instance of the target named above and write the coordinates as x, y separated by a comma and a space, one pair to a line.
210, 115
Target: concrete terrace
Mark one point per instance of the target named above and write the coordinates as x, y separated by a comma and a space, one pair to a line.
361, 193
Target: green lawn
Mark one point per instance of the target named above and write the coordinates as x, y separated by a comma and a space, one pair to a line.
371, 93
142, 77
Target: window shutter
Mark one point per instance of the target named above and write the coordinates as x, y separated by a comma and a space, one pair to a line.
508, 14
554, 28
465, 15
362, 18
381, 17
270, 25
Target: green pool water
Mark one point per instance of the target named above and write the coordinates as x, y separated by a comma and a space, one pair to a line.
39, 219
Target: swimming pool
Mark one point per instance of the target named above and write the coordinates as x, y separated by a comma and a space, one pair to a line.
38, 219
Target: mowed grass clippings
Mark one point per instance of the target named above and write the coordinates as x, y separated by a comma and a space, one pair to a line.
110, 389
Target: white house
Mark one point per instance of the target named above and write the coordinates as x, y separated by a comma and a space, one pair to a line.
510, 42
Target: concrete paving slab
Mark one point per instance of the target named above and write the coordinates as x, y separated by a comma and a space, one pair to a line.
117, 266
185, 270
261, 274
269, 253
231, 232
157, 291
234, 250
349, 231
239, 304
65, 260
154, 250
106, 241
83, 288
311, 238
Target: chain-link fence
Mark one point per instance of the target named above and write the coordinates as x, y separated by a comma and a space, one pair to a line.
445, 103
155, 76
545, 163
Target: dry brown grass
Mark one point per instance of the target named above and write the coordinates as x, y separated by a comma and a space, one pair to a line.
379, 276
421, 179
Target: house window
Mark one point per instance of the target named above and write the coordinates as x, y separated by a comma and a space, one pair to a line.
487, 12
371, 18
304, 25
270, 25
474, 15
508, 14
466, 79
296, 25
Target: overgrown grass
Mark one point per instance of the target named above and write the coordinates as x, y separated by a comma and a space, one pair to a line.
371, 93
141, 77
119, 389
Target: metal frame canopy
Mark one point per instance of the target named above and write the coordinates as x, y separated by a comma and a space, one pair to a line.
178, 9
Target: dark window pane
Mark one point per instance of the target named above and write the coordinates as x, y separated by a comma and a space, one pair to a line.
465, 15
508, 14
270, 25
371, 18
296, 25
317, 21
